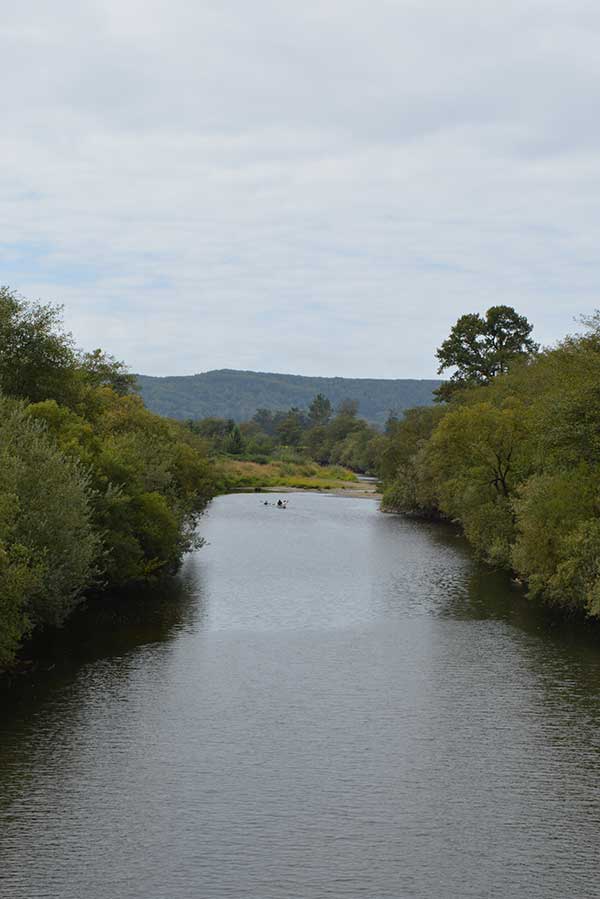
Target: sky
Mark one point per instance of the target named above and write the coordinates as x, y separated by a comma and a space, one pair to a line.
319, 188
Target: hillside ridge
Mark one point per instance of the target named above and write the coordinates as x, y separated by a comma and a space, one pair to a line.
237, 394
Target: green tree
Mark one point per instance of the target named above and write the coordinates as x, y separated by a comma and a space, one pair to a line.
474, 462
406, 436
137, 462
37, 357
482, 347
576, 582
256, 442
319, 411
103, 370
291, 427
49, 548
94, 488
550, 508
515, 460
265, 420
317, 444
235, 442
403, 465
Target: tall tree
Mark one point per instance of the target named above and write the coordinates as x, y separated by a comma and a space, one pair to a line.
103, 370
481, 347
319, 411
235, 442
291, 427
265, 420
37, 357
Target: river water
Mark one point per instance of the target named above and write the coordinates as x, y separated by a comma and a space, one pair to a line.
329, 702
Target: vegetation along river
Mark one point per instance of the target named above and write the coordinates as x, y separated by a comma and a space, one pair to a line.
329, 702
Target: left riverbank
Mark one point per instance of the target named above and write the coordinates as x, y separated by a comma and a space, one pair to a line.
96, 492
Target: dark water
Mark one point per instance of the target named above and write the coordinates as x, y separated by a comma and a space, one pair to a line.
330, 702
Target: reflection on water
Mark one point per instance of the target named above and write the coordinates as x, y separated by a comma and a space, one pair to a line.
93, 657
327, 702
111, 626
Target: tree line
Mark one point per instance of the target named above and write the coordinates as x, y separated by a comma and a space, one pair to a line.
318, 434
95, 490
511, 453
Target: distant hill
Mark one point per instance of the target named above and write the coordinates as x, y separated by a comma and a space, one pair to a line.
238, 394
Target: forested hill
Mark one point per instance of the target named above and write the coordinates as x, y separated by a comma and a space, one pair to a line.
238, 394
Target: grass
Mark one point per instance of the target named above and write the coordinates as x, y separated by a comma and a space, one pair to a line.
235, 474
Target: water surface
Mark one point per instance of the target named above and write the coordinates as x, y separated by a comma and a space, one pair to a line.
329, 702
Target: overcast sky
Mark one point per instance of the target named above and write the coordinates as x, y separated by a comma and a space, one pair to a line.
319, 187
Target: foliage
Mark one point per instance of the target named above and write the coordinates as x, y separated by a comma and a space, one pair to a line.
516, 462
134, 457
48, 545
320, 409
39, 361
235, 442
576, 582
103, 370
403, 463
290, 427
37, 358
343, 439
95, 490
480, 348
551, 509
234, 475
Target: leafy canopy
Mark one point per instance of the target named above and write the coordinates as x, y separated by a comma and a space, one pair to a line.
39, 361
319, 411
482, 347
95, 490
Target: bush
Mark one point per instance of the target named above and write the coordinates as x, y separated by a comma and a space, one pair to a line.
49, 549
94, 489
550, 509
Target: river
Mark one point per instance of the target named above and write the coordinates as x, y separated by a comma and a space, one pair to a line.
328, 702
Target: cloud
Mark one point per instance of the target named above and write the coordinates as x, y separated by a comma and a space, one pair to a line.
318, 188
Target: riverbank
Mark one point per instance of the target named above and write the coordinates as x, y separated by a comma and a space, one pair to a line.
356, 490
234, 475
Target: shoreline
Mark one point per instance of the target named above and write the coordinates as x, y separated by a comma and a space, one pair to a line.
360, 491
